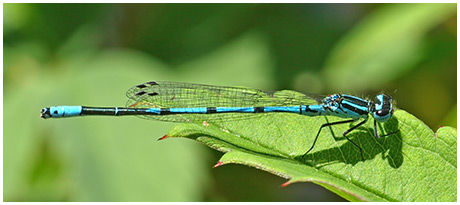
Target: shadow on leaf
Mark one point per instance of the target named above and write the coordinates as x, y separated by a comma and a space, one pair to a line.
390, 147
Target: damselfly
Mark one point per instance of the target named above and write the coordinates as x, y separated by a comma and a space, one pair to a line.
189, 102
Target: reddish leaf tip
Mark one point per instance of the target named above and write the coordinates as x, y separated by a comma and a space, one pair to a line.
285, 184
218, 164
162, 138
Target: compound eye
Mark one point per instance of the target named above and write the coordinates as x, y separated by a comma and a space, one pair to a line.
383, 112
383, 108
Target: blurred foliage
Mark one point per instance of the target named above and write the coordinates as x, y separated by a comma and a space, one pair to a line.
383, 46
91, 53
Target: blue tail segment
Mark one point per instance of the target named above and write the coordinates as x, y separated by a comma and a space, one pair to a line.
189, 102
61, 111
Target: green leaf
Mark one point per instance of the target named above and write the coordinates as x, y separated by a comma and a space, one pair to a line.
415, 164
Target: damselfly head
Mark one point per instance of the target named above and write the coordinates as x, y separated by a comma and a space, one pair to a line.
383, 109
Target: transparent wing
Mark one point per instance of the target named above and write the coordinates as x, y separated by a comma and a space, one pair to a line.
162, 94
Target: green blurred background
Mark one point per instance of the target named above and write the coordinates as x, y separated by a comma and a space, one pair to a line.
90, 54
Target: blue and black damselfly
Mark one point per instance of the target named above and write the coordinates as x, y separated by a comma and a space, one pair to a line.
188, 102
